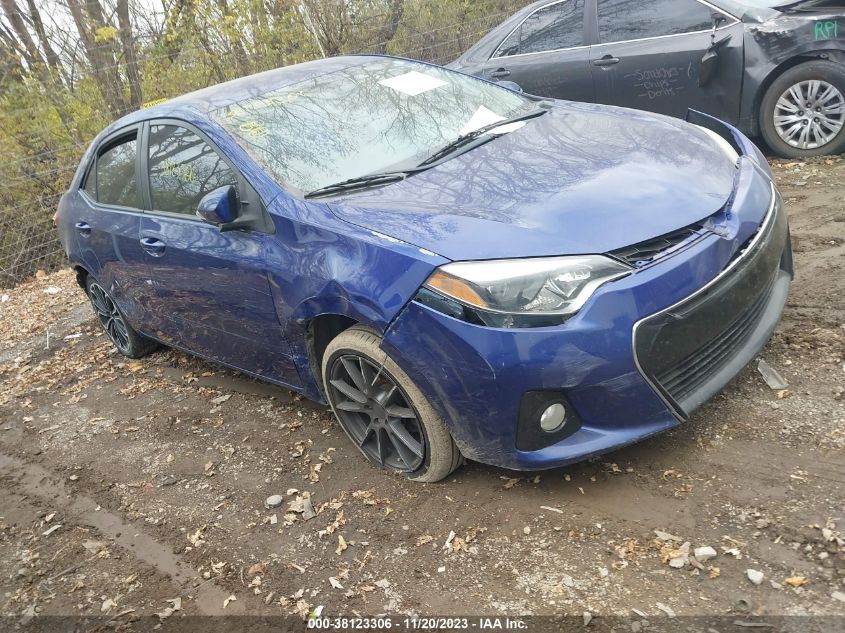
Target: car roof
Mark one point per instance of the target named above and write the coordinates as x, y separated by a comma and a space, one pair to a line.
200, 103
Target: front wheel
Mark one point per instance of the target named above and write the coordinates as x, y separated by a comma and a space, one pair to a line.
382, 410
803, 112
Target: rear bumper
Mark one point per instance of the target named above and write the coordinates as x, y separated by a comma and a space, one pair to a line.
476, 377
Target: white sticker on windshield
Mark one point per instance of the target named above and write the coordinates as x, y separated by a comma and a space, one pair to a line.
483, 116
413, 83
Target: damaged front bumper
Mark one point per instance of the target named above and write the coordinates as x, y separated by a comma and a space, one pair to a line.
701, 314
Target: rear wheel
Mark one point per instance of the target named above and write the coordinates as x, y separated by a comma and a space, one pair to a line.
803, 111
127, 341
383, 412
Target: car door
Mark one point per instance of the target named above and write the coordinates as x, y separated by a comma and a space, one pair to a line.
212, 289
648, 55
106, 221
545, 54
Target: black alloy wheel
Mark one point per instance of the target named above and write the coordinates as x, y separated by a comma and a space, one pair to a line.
121, 333
377, 414
110, 318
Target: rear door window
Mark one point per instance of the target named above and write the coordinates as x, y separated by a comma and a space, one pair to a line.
553, 27
183, 168
623, 20
89, 185
116, 183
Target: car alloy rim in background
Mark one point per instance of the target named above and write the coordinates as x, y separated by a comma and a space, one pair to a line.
376, 413
109, 316
810, 114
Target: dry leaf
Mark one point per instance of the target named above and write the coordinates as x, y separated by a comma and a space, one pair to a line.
341, 545
196, 538
796, 581
297, 449
314, 472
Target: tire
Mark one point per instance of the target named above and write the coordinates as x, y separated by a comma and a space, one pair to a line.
122, 335
782, 97
355, 358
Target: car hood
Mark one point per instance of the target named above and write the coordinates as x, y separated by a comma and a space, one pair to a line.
584, 178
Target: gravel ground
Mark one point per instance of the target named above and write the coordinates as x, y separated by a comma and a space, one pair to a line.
134, 491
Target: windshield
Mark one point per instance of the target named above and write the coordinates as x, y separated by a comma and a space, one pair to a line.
380, 115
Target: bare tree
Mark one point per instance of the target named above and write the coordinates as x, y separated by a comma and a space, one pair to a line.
97, 41
127, 41
44, 66
25, 45
38, 26
396, 8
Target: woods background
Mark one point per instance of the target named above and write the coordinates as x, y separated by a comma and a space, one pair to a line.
69, 67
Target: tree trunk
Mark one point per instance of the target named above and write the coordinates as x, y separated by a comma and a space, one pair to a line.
13, 15
11, 68
236, 44
127, 41
388, 30
102, 61
36, 63
38, 25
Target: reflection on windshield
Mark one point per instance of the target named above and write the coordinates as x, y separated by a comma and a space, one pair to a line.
380, 115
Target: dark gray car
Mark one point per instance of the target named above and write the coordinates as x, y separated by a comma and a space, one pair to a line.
771, 67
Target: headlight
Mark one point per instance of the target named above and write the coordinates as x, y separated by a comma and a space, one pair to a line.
525, 292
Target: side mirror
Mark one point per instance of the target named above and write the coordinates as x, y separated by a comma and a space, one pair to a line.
220, 206
710, 60
708, 67
510, 85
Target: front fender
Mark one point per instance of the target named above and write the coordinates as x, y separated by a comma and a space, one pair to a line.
774, 45
333, 267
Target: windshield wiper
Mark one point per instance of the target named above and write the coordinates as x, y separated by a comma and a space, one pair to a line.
386, 178
465, 139
359, 182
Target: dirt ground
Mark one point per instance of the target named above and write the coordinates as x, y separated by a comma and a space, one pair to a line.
131, 489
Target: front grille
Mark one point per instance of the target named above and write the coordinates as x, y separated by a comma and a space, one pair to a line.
690, 350
644, 253
693, 371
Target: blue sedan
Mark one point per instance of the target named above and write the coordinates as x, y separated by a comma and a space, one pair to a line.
458, 269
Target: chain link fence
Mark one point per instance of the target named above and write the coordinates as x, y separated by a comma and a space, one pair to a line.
30, 187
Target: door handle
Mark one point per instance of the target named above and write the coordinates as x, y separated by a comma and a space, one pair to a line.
501, 72
607, 60
153, 246
83, 227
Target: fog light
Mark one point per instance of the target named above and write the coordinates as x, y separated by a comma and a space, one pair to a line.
553, 418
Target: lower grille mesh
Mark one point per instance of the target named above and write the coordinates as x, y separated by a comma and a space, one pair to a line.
694, 370
692, 349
